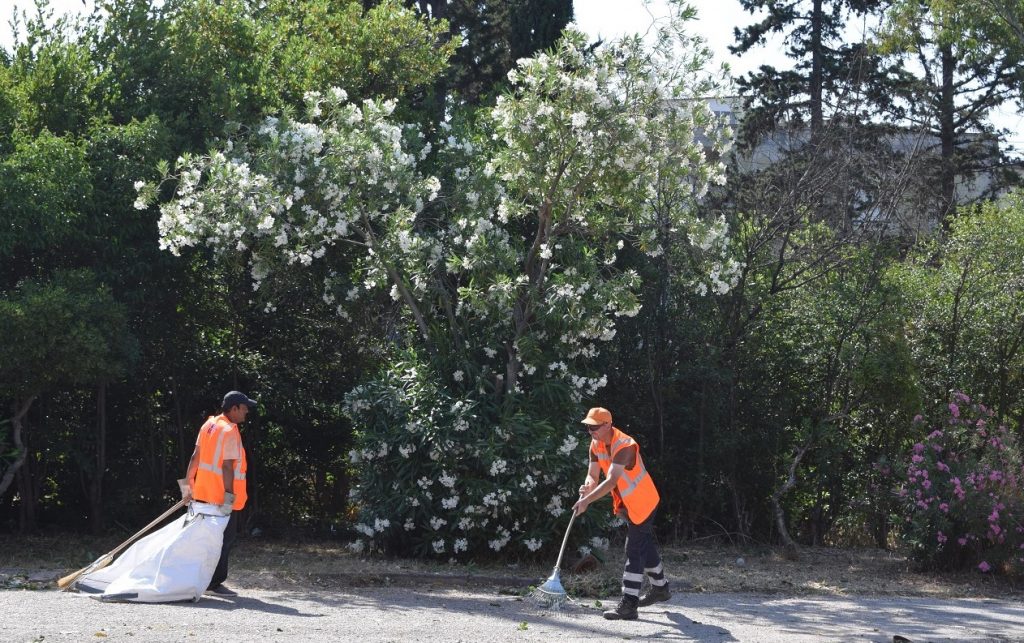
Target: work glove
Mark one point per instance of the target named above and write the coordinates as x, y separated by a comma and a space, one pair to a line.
186, 492
229, 500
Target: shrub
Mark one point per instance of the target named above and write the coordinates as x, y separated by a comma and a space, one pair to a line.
444, 477
962, 493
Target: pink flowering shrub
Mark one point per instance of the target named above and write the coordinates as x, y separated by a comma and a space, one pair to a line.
964, 506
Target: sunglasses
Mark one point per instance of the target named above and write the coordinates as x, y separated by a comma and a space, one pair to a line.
593, 427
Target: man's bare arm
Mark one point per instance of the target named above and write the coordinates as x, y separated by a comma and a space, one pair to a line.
190, 473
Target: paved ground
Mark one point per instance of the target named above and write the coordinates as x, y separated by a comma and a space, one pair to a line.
421, 614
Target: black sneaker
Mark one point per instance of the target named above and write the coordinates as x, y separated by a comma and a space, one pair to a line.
626, 611
656, 594
220, 590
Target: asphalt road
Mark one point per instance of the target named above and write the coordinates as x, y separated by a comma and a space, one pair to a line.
422, 614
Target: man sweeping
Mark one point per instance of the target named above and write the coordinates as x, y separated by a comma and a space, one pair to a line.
635, 499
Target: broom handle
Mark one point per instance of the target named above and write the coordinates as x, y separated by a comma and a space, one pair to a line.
565, 540
141, 532
66, 581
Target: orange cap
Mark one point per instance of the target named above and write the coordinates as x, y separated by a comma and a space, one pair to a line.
597, 415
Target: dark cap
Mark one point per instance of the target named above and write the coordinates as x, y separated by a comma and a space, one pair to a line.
234, 398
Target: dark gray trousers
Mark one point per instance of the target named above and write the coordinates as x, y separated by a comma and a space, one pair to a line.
642, 557
230, 535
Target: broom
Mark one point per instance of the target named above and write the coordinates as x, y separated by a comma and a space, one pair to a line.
68, 581
551, 593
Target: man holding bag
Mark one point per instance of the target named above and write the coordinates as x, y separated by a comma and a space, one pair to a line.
216, 474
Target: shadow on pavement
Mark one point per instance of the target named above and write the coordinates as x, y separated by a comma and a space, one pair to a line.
242, 602
697, 631
577, 619
826, 618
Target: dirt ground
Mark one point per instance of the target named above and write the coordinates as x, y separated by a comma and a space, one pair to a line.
36, 562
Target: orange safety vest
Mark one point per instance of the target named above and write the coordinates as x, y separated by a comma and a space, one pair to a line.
209, 484
634, 489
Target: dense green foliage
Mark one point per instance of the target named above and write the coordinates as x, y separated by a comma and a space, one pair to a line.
426, 257
505, 272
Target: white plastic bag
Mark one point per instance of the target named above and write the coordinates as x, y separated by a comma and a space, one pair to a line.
175, 563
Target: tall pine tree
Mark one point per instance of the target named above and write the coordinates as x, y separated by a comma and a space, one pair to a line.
969, 64
830, 76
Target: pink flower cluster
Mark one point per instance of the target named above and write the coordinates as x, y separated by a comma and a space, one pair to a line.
962, 485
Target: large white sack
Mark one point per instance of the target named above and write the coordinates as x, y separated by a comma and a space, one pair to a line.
175, 563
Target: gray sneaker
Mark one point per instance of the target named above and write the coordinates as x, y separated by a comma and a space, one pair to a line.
656, 594
626, 611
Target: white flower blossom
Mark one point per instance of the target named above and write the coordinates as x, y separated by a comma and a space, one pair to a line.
569, 445
499, 543
498, 466
554, 506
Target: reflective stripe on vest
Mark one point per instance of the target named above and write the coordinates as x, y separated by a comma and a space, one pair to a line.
209, 482
212, 465
241, 466
634, 489
632, 485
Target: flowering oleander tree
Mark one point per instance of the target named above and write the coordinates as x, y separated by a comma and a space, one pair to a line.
498, 243
965, 507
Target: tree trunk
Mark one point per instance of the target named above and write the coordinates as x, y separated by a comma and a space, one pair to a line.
656, 350
780, 515
184, 447
702, 429
947, 136
815, 89
20, 410
96, 482
27, 495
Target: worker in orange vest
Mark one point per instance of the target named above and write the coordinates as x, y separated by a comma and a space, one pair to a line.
635, 499
216, 474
